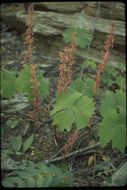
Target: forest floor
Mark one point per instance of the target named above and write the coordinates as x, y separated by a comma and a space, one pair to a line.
89, 169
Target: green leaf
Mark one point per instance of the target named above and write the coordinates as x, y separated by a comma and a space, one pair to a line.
122, 115
78, 85
44, 85
84, 108
8, 182
64, 178
109, 102
90, 63
121, 98
24, 84
85, 87
120, 66
13, 182
119, 80
68, 34
12, 123
111, 129
31, 182
17, 143
89, 84
40, 181
120, 181
83, 37
49, 180
8, 83
28, 143
64, 119
65, 100
70, 108
35, 176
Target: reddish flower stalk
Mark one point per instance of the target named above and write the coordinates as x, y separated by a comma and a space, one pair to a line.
65, 71
35, 93
29, 52
70, 142
108, 45
29, 34
65, 68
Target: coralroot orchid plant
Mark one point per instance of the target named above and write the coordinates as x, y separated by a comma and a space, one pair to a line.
64, 107
74, 103
34, 77
74, 107
35, 83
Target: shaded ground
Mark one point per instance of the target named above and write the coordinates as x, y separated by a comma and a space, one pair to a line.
90, 169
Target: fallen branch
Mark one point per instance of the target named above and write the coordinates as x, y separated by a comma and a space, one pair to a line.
77, 152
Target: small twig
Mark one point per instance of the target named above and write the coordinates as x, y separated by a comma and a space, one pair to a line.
57, 153
77, 152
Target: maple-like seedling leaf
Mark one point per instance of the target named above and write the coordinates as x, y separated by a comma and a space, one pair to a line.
64, 119
112, 130
121, 98
24, 83
83, 37
44, 85
113, 126
84, 108
72, 108
109, 102
65, 100
8, 83
89, 84
78, 85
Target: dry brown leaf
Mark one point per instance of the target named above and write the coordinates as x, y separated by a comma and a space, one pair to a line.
90, 160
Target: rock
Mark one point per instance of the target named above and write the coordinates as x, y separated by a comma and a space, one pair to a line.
52, 23
96, 56
53, 18
66, 7
116, 11
16, 104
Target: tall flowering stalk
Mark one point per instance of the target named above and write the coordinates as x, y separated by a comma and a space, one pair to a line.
64, 80
65, 68
29, 34
28, 56
108, 45
35, 93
